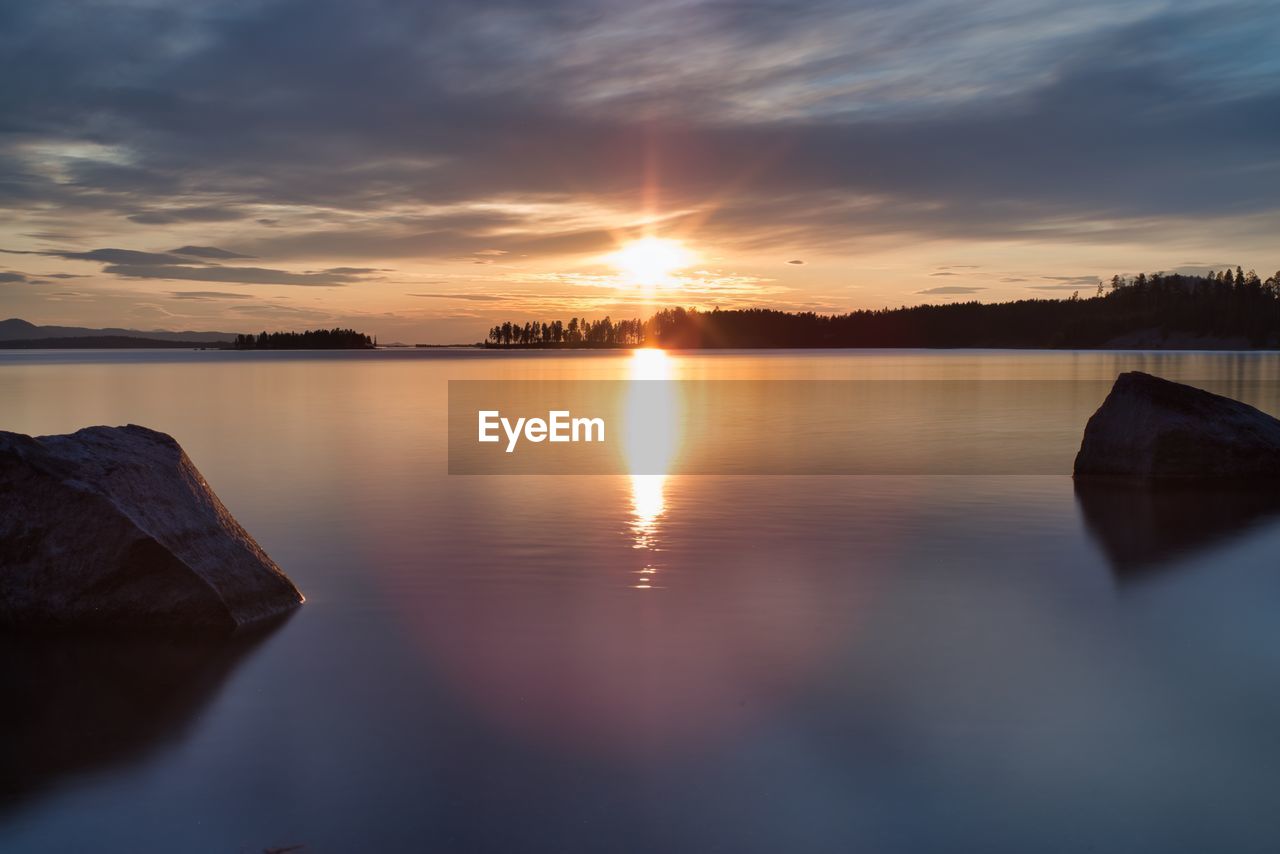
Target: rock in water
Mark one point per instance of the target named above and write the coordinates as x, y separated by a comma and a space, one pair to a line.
1153, 428
114, 528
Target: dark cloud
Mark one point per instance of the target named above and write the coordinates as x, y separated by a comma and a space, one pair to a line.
120, 256
209, 252
241, 275
12, 277
999, 120
199, 213
796, 261
190, 263
52, 236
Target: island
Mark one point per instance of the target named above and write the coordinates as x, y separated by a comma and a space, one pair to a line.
18, 334
311, 339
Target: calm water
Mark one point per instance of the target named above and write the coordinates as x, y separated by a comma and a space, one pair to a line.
689, 663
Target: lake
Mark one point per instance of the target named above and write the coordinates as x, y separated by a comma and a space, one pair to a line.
883, 662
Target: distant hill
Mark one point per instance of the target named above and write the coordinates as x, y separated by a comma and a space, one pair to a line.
16, 330
108, 342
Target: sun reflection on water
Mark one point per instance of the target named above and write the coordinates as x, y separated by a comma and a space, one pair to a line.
648, 500
651, 426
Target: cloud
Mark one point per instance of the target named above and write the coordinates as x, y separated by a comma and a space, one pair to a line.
471, 297
284, 311
1198, 268
285, 131
198, 213
190, 263
119, 256
950, 289
207, 295
987, 114
210, 252
795, 261
241, 275
12, 277
1066, 283
1077, 280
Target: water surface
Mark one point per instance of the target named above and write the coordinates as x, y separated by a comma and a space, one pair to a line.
661, 663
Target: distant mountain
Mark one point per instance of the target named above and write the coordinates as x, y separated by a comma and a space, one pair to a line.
108, 342
20, 330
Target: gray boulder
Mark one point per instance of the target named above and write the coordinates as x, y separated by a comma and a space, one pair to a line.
114, 528
1153, 428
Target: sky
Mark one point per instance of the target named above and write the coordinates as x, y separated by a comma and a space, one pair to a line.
423, 170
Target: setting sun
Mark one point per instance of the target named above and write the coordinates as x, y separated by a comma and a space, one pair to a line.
650, 261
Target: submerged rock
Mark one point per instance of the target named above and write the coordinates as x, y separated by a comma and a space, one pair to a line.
1153, 428
114, 528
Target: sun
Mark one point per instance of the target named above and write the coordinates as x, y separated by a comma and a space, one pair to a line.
650, 261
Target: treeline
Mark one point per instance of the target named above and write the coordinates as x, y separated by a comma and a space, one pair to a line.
578, 331
311, 339
1150, 309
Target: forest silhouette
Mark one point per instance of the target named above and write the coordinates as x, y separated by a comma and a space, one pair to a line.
311, 339
1230, 308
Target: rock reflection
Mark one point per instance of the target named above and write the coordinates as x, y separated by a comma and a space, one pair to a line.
75, 705
1142, 528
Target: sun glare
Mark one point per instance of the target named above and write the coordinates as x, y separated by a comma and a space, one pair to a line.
650, 363
650, 261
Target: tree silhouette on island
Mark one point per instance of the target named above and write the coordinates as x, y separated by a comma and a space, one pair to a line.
311, 339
